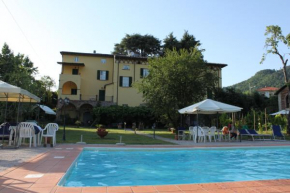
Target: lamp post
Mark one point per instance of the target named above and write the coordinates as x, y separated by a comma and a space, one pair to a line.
64, 102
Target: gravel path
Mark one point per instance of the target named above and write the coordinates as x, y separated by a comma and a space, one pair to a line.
13, 157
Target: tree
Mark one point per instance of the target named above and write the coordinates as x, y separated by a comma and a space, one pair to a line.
176, 80
144, 46
186, 42
170, 42
274, 39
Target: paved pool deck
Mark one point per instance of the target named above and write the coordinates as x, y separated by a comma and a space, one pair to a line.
42, 173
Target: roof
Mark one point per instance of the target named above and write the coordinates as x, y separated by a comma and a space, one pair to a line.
124, 57
268, 89
71, 63
11, 93
280, 89
86, 54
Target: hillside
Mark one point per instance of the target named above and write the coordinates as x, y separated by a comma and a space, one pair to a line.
273, 78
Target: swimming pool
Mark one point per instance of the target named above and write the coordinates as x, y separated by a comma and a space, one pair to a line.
131, 167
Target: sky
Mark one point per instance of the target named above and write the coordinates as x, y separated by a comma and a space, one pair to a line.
230, 31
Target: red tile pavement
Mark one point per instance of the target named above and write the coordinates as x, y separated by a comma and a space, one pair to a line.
13, 179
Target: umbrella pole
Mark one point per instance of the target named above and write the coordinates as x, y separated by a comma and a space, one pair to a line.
197, 127
4, 120
18, 109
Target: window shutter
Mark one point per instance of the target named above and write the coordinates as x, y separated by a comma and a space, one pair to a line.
121, 80
130, 81
107, 75
98, 75
141, 72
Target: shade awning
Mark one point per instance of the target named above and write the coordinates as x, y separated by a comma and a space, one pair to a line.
209, 106
282, 112
11, 93
47, 110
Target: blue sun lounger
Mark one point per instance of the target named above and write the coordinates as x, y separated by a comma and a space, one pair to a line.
255, 134
244, 132
277, 132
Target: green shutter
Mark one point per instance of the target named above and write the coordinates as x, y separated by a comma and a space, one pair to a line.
121, 81
130, 81
141, 73
98, 75
107, 75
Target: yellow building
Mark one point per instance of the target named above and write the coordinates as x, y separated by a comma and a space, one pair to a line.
91, 79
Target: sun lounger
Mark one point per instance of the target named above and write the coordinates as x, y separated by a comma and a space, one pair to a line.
255, 134
277, 132
244, 132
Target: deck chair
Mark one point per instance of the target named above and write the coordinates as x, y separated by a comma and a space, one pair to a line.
255, 134
277, 132
245, 132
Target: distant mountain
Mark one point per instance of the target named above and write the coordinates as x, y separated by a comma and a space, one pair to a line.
263, 78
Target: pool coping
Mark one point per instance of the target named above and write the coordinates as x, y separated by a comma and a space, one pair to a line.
54, 163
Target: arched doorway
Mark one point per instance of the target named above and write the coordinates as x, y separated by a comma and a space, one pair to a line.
86, 112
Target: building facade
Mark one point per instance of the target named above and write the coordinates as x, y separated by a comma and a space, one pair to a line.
91, 79
267, 91
283, 102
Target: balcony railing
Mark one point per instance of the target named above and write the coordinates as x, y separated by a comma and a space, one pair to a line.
96, 98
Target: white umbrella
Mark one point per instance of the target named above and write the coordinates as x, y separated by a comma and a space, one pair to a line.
209, 106
282, 112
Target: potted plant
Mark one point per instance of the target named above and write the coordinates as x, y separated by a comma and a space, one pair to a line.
101, 131
78, 123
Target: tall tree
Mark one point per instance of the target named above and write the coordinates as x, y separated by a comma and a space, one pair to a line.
274, 39
188, 41
176, 80
170, 42
140, 45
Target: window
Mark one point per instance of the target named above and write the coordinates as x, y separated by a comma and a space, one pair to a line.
74, 91
125, 81
126, 67
103, 75
144, 72
103, 61
75, 71
76, 59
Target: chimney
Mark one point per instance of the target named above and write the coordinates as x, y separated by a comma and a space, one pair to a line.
94, 51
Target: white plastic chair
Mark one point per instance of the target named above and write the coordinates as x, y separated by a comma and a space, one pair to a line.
191, 133
50, 129
181, 135
206, 132
26, 130
199, 134
211, 133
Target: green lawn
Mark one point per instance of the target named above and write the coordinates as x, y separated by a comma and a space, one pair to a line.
160, 132
90, 136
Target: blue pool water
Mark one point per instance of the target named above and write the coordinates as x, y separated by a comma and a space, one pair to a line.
130, 167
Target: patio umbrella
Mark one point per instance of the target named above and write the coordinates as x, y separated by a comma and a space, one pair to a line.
282, 112
209, 106
11, 93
